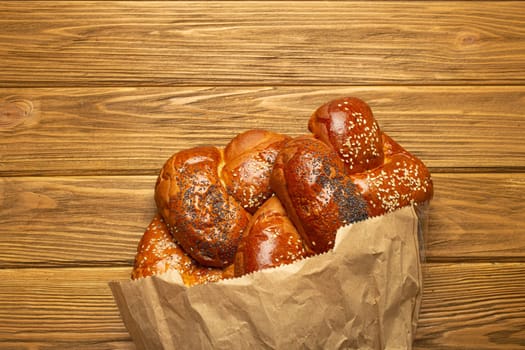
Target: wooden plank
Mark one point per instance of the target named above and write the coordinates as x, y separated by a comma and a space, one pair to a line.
73, 221
133, 130
472, 306
98, 221
222, 43
60, 308
477, 217
464, 306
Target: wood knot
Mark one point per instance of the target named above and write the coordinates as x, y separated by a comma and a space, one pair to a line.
15, 110
468, 39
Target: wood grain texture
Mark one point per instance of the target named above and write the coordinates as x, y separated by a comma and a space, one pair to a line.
133, 130
464, 306
60, 308
477, 217
73, 221
223, 43
98, 221
472, 306
96, 95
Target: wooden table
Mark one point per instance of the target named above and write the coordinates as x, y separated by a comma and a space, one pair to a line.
94, 96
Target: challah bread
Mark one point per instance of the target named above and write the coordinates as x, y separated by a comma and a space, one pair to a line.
269, 240
401, 180
387, 175
248, 163
158, 253
309, 179
300, 191
349, 127
203, 218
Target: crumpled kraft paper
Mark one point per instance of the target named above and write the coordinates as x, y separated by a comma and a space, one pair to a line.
363, 294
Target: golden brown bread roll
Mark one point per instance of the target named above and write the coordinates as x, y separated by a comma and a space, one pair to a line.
270, 240
348, 126
203, 218
309, 179
249, 159
387, 176
401, 180
201, 193
158, 253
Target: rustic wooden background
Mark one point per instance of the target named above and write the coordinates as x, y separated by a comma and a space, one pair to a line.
95, 95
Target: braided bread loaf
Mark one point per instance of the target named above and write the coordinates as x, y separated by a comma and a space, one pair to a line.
158, 253
387, 175
267, 199
310, 181
202, 216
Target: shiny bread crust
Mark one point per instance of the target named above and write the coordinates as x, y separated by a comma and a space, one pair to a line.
349, 127
309, 179
387, 175
300, 191
248, 163
270, 240
158, 253
401, 180
204, 219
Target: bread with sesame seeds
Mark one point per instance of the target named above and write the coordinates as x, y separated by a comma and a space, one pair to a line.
349, 127
248, 163
309, 179
203, 218
270, 240
345, 171
386, 174
401, 180
158, 253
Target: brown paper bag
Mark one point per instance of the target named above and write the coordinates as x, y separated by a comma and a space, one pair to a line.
364, 294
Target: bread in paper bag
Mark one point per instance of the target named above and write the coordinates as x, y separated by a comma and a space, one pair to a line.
363, 294
361, 289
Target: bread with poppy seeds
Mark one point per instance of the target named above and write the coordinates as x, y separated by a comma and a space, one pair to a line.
388, 176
